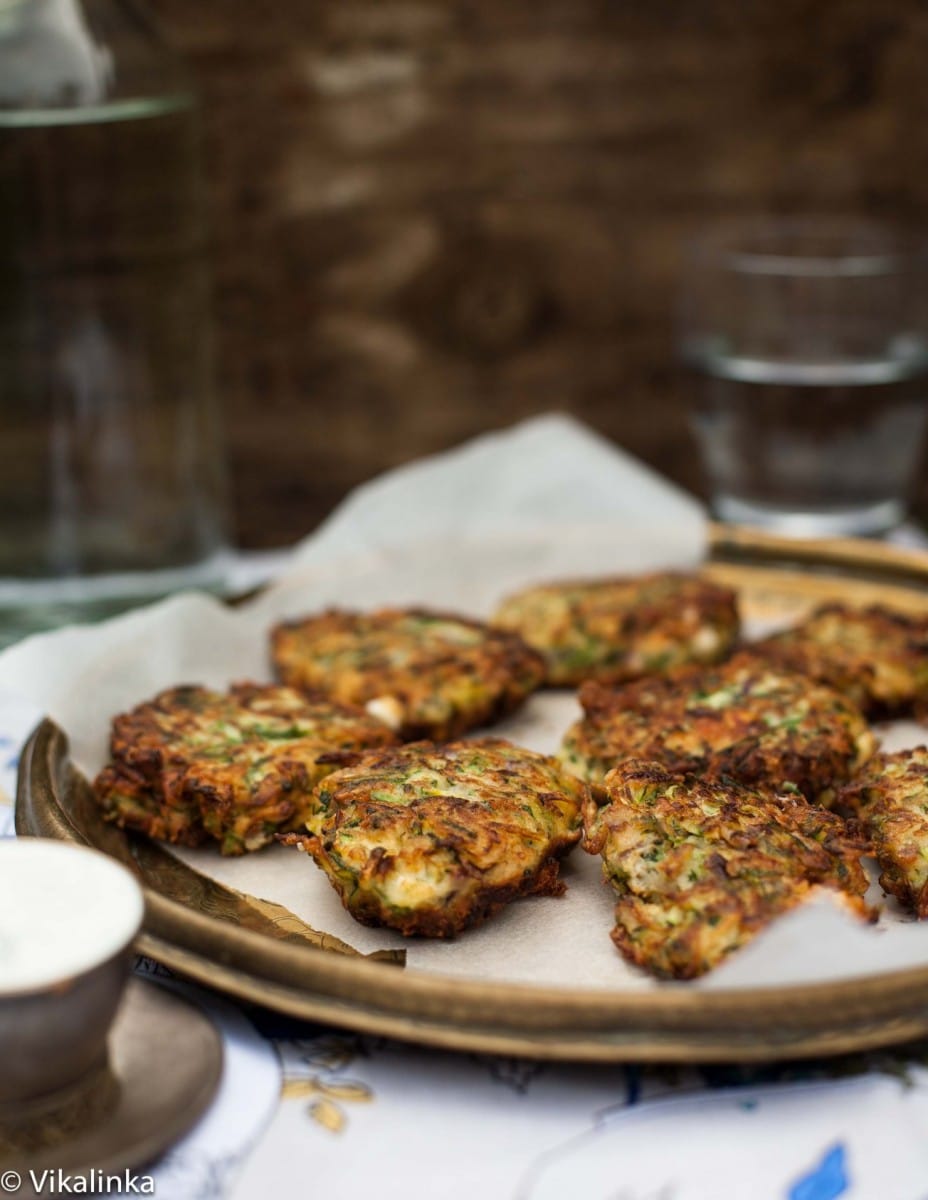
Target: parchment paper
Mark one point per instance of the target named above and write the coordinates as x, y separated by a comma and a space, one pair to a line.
82, 676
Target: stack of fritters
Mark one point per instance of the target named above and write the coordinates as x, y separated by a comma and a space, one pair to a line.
890, 797
744, 721
194, 764
875, 656
614, 630
432, 839
701, 866
426, 674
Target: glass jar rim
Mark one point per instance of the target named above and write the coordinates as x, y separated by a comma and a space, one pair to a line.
808, 246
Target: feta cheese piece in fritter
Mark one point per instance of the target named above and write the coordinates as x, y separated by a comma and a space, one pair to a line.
194, 765
701, 866
427, 674
875, 656
432, 839
614, 630
890, 797
744, 720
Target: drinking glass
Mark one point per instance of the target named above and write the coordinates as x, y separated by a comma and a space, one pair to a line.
810, 343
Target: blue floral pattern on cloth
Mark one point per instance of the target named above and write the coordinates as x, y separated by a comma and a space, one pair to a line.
827, 1181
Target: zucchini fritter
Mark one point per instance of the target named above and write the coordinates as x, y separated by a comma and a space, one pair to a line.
890, 797
428, 675
613, 630
432, 839
875, 656
744, 720
194, 765
701, 866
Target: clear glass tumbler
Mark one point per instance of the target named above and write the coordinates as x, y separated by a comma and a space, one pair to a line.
810, 340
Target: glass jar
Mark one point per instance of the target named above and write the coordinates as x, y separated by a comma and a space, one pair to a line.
112, 479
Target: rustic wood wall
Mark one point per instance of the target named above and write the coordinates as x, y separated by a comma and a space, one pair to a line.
437, 216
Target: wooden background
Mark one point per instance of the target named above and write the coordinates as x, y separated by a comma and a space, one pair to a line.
432, 217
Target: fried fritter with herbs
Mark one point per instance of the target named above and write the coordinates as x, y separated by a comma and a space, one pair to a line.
194, 765
876, 656
890, 798
743, 720
430, 839
701, 866
426, 674
614, 630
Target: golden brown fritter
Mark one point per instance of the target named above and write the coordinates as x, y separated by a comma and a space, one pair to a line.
890, 797
432, 839
875, 656
614, 630
743, 720
700, 866
194, 765
428, 675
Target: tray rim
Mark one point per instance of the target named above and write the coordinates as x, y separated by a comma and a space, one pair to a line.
673, 1024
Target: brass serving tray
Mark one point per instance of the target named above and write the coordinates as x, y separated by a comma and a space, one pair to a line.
259, 952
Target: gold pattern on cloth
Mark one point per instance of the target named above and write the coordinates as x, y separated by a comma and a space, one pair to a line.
327, 1090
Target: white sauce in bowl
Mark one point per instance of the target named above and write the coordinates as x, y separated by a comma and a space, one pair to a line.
63, 910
